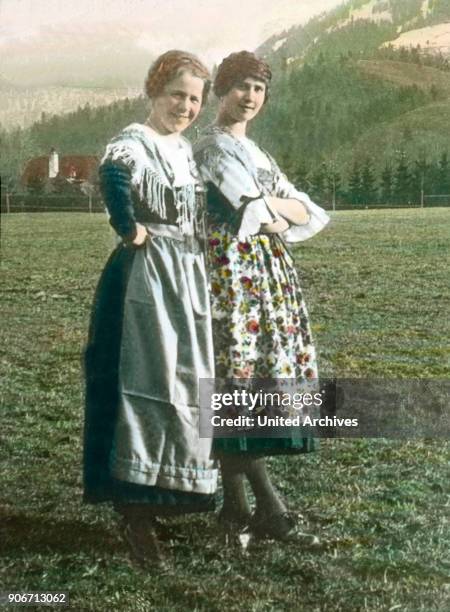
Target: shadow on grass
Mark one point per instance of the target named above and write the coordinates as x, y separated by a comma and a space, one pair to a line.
20, 532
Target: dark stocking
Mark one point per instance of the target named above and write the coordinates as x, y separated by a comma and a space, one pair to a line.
267, 500
139, 532
235, 501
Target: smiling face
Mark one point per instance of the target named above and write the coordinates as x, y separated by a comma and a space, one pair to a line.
178, 105
243, 102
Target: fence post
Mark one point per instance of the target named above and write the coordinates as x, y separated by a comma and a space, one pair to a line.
90, 203
8, 209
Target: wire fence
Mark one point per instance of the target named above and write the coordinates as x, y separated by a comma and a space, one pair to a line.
429, 202
436, 200
35, 203
29, 202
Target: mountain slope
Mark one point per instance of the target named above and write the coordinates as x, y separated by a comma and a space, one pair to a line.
316, 109
433, 39
339, 98
358, 26
23, 106
406, 74
345, 94
422, 132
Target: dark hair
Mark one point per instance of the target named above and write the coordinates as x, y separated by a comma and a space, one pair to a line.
237, 67
166, 68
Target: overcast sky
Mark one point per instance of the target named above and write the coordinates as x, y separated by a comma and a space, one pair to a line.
39, 37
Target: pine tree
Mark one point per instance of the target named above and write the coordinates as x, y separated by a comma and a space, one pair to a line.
318, 182
402, 189
420, 178
368, 188
333, 185
17, 146
300, 176
354, 184
387, 184
443, 177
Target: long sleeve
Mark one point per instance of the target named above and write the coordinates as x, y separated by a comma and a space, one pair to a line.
232, 178
115, 186
318, 218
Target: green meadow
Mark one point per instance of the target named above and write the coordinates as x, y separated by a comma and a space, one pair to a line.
377, 287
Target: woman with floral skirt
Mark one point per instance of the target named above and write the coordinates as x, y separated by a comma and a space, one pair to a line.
260, 322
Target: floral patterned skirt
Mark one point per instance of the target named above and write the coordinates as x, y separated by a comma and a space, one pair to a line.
260, 323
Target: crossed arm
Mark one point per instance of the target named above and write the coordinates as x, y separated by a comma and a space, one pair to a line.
290, 211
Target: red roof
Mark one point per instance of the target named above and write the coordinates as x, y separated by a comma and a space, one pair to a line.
84, 167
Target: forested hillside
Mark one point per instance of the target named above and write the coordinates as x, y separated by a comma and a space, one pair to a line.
334, 120
84, 131
22, 106
350, 118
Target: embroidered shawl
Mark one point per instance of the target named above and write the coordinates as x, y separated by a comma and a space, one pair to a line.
152, 173
225, 162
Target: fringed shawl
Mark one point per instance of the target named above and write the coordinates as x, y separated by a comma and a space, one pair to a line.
152, 173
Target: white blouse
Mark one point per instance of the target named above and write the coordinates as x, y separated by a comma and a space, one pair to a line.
176, 152
240, 169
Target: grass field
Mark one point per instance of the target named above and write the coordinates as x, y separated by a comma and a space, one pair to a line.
377, 287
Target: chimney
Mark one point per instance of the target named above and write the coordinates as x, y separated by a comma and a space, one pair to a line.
53, 164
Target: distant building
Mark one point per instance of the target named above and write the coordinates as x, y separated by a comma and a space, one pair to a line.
50, 171
53, 164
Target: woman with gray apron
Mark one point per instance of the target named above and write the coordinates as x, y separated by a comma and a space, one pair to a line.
150, 336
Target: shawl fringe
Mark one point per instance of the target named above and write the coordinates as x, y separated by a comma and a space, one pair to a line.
132, 151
